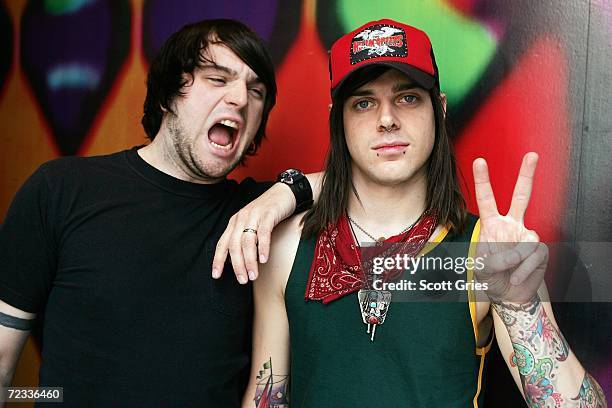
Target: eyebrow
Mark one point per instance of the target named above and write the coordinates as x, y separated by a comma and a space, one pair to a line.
399, 87
405, 86
218, 67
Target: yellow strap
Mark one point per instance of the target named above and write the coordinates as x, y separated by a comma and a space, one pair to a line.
470, 277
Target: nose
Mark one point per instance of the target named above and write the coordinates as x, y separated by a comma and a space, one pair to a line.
237, 94
387, 119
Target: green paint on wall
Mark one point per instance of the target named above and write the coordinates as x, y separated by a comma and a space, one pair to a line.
59, 7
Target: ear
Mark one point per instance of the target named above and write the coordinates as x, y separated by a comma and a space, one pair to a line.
443, 100
329, 107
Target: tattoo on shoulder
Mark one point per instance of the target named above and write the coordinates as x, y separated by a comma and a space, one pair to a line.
16, 322
271, 391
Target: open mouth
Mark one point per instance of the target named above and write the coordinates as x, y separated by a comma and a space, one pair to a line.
224, 134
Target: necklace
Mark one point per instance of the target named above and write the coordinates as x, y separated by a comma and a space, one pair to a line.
381, 240
374, 304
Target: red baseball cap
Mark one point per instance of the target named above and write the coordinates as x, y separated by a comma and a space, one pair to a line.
384, 42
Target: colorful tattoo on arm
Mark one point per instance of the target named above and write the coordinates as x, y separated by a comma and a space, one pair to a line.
590, 395
271, 391
539, 348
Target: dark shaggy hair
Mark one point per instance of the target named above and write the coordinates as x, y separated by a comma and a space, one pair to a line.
443, 192
185, 51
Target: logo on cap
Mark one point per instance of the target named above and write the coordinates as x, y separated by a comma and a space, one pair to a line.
380, 40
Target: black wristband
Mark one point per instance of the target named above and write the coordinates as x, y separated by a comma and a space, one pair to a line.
300, 186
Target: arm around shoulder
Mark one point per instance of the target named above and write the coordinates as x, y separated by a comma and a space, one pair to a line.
258, 218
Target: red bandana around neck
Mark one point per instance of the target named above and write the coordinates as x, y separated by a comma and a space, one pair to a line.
336, 268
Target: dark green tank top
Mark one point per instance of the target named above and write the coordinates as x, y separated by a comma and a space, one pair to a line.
424, 355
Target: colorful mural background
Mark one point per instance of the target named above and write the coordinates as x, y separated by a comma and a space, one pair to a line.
519, 76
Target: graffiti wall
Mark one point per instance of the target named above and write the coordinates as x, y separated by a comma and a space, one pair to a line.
519, 75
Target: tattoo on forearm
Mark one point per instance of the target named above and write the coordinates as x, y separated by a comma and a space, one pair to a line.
539, 348
271, 390
16, 322
590, 395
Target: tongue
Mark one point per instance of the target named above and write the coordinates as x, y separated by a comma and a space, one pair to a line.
220, 134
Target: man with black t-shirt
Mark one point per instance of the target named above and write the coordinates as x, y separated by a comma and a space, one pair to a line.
117, 250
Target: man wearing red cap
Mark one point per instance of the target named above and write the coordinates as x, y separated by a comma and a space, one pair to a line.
390, 172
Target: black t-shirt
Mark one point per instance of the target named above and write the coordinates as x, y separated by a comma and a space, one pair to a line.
119, 255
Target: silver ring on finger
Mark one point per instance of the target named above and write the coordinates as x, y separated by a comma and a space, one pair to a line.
253, 230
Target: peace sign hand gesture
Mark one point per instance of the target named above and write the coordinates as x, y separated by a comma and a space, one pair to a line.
515, 260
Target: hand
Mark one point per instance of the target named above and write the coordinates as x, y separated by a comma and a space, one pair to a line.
515, 260
261, 216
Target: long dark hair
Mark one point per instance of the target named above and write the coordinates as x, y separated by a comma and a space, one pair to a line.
443, 192
184, 51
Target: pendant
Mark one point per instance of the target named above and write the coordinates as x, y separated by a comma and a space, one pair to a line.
374, 305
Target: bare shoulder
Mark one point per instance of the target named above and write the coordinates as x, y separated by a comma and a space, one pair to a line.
283, 248
290, 229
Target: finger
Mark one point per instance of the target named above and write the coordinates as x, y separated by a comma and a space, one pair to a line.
264, 236
511, 257
249, 253
533, 262
522, 189
235, 251
219, 258
221, 250
237, 259
484, 193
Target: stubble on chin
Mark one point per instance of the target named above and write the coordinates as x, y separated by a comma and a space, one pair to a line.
187, 158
